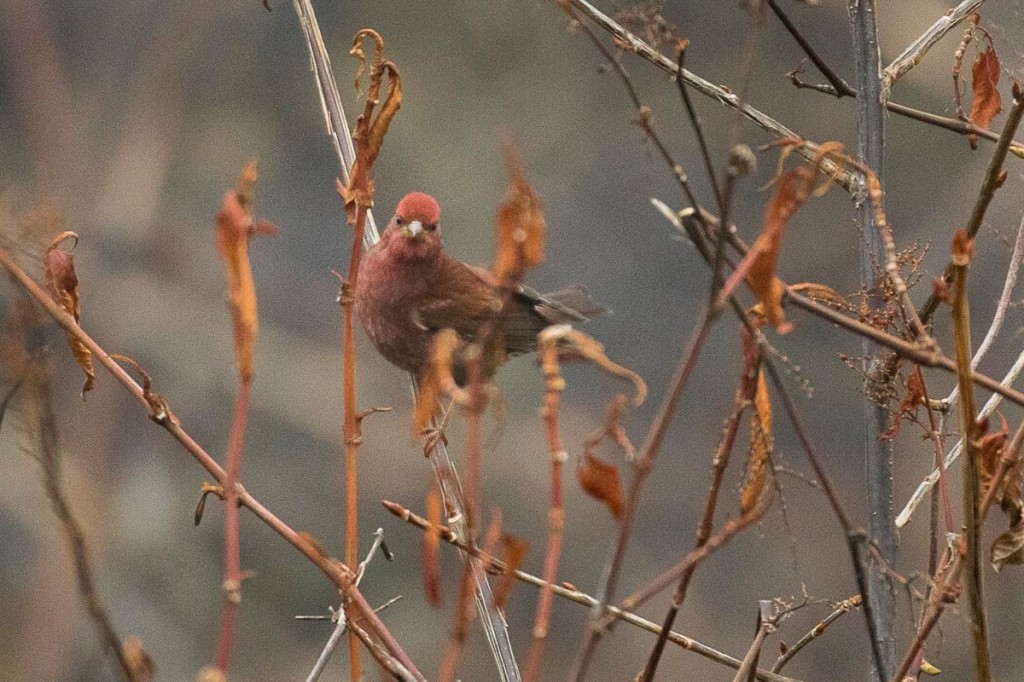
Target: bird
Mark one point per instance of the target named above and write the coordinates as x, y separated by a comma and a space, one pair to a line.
408, 289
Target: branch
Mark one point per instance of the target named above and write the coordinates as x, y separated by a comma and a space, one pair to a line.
974, 580
632, 43
495, 565
915, 52
135, 668
818, 630
876, 246
338, 573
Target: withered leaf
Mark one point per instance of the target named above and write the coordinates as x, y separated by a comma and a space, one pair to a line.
581, 346
913, 399
437, 381
235, 229
760, 447
62, 282
372, 124
1008, 548
987, 102
793, 190
432, 550
513, 553
521, 229
600, 480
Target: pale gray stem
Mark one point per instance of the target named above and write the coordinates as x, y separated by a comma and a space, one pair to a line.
915, 52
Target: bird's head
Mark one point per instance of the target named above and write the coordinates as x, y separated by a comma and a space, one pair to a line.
414, 232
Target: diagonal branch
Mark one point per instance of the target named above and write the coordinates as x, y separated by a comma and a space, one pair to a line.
338, 573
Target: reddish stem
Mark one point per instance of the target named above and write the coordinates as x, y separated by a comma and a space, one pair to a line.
232, 554
556, 513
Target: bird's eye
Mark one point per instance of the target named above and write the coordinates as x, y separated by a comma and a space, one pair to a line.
399, 220
431, 227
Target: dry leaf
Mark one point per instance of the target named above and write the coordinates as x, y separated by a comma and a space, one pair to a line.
760, 447
600, 480
793, 190
521, 229
914, 398
432, 550
437, 380
1008, 548
513, 553
575, 343
985, 83
62, 282
989, 449
235, 229
372, 124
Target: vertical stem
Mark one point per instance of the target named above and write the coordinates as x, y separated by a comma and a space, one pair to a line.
878, 453
232, 554
352, 430
556, 511
973, 566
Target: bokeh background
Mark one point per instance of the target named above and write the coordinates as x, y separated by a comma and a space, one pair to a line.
131, 119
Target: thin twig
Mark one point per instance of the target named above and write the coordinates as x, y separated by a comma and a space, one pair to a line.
993, 180
765, 626
632, 43
818, 630
39, 405
495, 565
915, 52
233, 575
719, 462
955, 125
842, 88
730, 530
342, 620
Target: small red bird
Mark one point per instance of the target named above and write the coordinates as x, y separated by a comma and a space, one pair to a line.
408, 289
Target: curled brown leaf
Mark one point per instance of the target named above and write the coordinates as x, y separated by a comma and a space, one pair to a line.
62, 283
601, 480
575, 343
512, 554
438, 381
235, 229
521, 228
373, 123
987, 101
759, 456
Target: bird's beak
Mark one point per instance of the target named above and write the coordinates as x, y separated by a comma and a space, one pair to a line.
413, 229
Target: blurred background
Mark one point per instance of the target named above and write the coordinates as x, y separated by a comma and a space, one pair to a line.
131, 119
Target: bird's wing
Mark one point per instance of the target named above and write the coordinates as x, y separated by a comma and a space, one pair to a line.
458, 298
